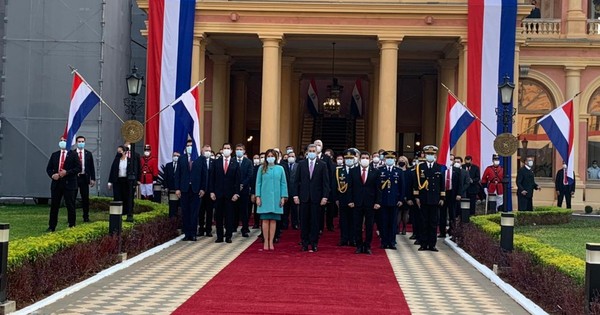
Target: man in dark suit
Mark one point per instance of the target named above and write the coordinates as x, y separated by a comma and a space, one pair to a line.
526, 185
565, 186
429, 191
87, 177
190, 186
290, 208
169, 183
63, 168
241, 206
207, 205
311, 191
326, 212
456, 189
225, 191
365, 198
343, 198
474, 186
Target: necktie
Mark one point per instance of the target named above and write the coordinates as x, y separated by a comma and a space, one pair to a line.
81, 159
174, 167
226, 166
449, 179
311, 168
291, 167
565, 180
62, 160
190, 163
364, 175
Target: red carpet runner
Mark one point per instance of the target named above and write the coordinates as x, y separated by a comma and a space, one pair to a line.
288, 281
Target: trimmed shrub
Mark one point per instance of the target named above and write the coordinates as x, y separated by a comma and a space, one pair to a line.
588, 209
40, 266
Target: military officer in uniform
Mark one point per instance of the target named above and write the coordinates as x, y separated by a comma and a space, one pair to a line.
392, 197
148, 175
342, 199
429, 192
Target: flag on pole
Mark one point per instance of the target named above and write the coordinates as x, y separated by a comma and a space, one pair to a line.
558, 125
491, 32
187, 118
83, 100
312, 99
169, 70
357, 100
458, 119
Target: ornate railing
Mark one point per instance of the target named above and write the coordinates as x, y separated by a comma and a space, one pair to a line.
593, 27
541, 28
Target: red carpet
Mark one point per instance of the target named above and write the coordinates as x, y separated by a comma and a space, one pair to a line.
288, 281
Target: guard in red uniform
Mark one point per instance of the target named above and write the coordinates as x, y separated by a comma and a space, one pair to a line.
492, 180
148, 174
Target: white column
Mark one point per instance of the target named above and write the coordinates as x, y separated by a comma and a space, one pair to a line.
271, 89
220, 132
388, 83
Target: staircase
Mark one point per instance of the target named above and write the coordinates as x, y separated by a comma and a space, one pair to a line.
308, 126
337, 133
360, 134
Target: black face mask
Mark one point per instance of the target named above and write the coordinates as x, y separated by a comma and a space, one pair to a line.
402, 164
119, 154
468, 163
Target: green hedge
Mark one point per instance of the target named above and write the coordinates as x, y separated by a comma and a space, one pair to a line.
542, 253
33, 248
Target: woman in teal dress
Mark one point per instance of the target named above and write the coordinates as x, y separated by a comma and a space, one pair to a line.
271, 194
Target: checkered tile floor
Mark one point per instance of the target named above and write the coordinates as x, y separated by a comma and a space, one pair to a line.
443, 283
433, 283
158, 284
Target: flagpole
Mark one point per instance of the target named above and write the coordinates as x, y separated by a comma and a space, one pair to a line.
468, 109
73, 70
175, 101
537, 122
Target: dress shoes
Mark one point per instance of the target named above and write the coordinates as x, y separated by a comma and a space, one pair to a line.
276, 240
392, 247
422, 248
245, 234
255, 227
417, 242
50, 230
87, 220
412, 237
295, 227
208, 234
367, 251
383, 246
442, 236
403, 232
193, 239
342, 243
314, 248
228, 240
358, 250
433, 249
353, 244
304, 248
219, 240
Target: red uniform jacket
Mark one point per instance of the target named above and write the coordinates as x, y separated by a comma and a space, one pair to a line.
492, 177
149, 170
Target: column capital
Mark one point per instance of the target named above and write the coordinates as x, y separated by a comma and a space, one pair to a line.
574, 70
270, 37
219, 59
390, 39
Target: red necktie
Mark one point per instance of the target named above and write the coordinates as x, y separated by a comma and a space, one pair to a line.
226, 166
565, 182
62, 160
448, 179
81, 159
364, 176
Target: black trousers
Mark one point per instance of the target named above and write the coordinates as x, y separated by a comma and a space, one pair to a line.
447, 211
525, 203
241, 212
224, 217
173, 208
190, 205
205, 216
57, 193
431, 221
416, 219
472, 202
84, 191
367, 214
122, 192
346, 224
387, 231
330, 213
290, 211
310, 213
566, 196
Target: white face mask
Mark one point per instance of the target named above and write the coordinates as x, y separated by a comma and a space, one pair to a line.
262, 160
349, 162
256, 161
389, 162
376, 160
496, 162
291, 159
207, 154
226, 152
565, 166
188, 149
430, 158
146, 153
340, 162
319, 148
530, 163
364, 162
176, 158
457, 165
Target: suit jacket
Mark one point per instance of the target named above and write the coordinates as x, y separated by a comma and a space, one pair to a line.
475, 176
114, 169
526, 181
246, 174
194, 179
225, 184
169, 176
71, 165
88, 163
367, 194
460, 181
432, 181
289, 173
311, 189
559, 185
331, 169
409, 175
253, 180
391, 184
